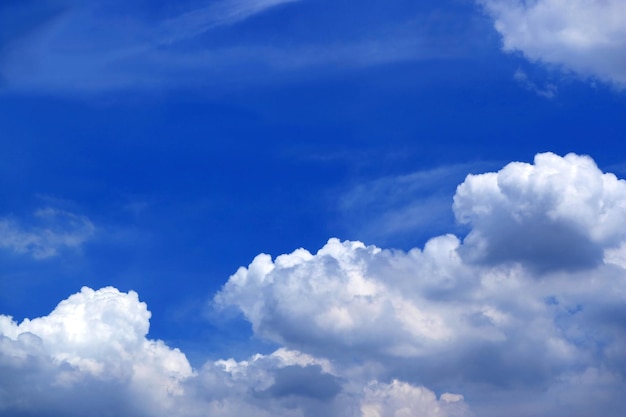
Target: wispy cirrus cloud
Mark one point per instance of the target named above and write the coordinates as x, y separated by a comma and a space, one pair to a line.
549, 90
220, 13
77, 46
89, 47
394, 207
50, 232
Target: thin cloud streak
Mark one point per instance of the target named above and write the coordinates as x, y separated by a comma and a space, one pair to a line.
222, 13
548, 91
396, 207
143, 55
59, 56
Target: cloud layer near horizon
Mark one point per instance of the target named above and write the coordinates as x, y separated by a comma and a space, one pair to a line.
584, 36
93, 347
524, 316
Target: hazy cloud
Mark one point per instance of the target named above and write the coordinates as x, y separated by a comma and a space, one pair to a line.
91, 46
87, 47
549, 90
50, 232
217, 13
403, 206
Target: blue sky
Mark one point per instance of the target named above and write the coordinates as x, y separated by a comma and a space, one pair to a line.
153, 151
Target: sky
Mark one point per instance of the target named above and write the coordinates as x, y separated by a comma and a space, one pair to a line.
302, 208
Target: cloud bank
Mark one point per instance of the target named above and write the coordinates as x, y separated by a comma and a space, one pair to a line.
529, 303
524, 316
584, 36
90, 356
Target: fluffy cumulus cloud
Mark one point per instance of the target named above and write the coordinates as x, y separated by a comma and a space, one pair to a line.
523, 316
557, 213
586, 36
90, 356
334, 302
529, 304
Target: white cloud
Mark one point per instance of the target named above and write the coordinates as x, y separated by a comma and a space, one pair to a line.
526, 299
336, 295
399, 399
92, 347
585, 36
524, 316
90, 356
557, 213
423, 310
51, 232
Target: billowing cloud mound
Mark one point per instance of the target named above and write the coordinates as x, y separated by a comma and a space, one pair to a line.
530, 303
586, 36
525, 316
557, 213
90, 356
92, 344
349, 298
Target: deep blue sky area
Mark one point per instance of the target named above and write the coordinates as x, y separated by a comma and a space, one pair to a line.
194, 135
